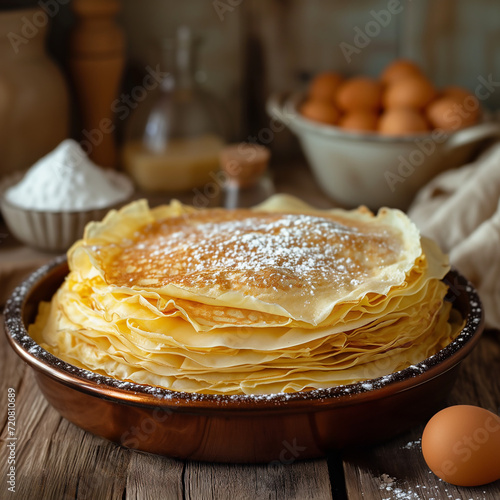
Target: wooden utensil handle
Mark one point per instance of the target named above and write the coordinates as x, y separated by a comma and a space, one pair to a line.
96, 63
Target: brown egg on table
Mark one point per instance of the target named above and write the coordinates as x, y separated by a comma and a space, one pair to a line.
449, 113
400, 68
320, 111
409, 92
461, 445
402, 121
324, 86
359, 93
359, 120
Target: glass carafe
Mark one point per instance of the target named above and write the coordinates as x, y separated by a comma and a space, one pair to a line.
172, 143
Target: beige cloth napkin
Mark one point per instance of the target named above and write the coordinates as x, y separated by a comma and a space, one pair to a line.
460, 210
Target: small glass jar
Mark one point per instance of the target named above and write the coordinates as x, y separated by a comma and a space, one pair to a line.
173, 143
247, 180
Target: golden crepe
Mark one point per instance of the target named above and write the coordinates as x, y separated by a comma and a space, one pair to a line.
279, 298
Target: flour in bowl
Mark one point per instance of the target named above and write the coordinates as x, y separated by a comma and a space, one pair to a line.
67, 180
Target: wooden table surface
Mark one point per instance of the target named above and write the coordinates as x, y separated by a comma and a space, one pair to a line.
57, 460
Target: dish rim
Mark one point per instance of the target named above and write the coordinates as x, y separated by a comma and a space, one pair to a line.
146, 395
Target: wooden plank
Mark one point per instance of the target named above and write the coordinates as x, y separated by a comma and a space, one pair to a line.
299, 480
151, 477
397, 469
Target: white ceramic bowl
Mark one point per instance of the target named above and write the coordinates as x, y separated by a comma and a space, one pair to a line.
54, 231
368, 168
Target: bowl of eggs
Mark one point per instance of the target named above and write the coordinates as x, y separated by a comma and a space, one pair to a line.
376, 142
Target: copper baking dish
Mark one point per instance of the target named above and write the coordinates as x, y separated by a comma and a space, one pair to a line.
278, 427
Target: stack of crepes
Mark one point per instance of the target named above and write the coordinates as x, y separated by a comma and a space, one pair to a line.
280, 298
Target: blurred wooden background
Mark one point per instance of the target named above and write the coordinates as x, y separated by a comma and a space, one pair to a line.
254, 47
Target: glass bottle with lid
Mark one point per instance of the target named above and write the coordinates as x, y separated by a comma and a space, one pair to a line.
173, 142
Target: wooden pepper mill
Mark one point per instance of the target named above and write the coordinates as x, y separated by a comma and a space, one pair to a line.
97, 57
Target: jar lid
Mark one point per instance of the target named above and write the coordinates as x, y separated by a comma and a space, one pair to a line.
244, 163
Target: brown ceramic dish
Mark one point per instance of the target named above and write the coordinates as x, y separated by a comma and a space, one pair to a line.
278, 427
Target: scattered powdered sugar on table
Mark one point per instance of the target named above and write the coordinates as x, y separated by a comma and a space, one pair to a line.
389, 484
398, 489
67, 180
410, 445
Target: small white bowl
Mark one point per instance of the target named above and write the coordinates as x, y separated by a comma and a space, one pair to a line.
368, 168
54, 231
